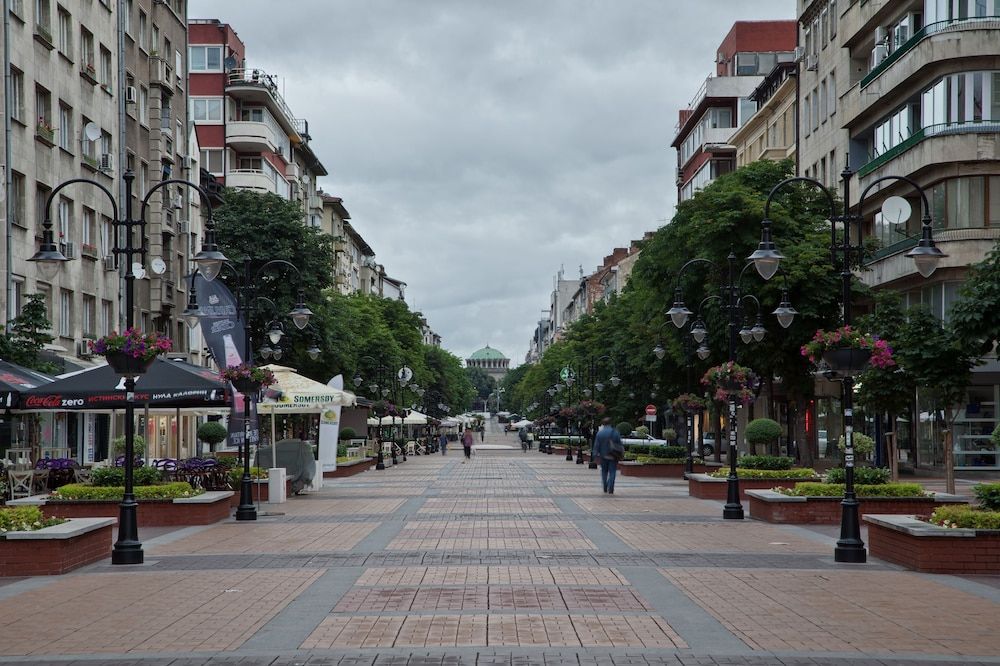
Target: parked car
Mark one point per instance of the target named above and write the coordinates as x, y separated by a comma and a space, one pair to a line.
822, 442
648, 439
707, 444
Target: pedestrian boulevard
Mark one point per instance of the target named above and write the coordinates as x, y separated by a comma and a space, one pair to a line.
512, 558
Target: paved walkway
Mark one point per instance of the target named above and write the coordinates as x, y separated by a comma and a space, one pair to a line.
513, 558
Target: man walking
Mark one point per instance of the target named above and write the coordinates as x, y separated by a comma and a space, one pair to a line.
443, 443
608, 449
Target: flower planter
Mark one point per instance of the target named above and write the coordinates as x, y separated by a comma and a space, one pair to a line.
57, 549
350, 468
847, 361
246, 386
259, 490
128, 365
704, 486
928, 548
773, 507
657, 470
204, 509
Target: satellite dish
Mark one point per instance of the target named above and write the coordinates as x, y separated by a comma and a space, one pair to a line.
896, 210
138, 271
229, 63
158, 265
91, 132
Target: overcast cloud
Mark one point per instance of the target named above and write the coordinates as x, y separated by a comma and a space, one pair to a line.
480, 145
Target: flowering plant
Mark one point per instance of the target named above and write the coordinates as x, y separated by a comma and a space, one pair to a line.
90, 67
44, 124
846, 337
689, 402
245, 371
134, 343
385, 408
728, 379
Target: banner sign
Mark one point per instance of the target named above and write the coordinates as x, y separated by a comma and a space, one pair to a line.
225, 336
329, 428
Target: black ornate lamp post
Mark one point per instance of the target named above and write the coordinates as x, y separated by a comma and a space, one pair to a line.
127, 548
731, 300
210, 262
698, 332
597, 386
846, 255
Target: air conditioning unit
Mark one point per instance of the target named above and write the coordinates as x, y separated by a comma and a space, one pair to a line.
177, 201
131, 95
812, 62
107, 163
110, 263
68, 250
184, 227
186, 162
879, 53
800, 52
83, 349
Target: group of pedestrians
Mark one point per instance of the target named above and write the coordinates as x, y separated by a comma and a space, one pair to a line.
466, 443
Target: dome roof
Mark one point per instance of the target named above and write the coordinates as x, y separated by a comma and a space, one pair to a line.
487, 353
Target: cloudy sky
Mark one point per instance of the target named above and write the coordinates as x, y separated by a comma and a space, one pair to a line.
482, 145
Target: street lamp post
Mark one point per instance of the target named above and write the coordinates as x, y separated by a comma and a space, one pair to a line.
731, 299
698, 332
597, 386
247, 279
127, 548
845, 256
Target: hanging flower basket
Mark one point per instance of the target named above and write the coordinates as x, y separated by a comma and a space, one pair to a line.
132, 352
730, 380
847, 351
247, 379
689, 403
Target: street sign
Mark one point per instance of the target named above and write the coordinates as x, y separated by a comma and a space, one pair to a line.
651, 418
650, 410
565, 373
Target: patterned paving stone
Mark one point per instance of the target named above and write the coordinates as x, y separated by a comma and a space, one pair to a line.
263, 537
714, 537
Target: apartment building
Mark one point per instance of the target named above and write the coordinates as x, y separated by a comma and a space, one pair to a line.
704, 130
248, 135
912, 88
63, 117
769, 134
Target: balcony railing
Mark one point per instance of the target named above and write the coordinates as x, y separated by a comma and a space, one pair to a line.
942, 129
951, 25
269, 82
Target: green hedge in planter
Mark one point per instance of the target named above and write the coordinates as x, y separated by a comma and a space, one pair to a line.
869, 476
808, 489
79, 491
766, 462
115, 476
988, 495
25, 519
657, 450
652, 460
743, 473
967, 517
236, 474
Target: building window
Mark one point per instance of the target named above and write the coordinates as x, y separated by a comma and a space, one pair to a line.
143, 29
87, 48
88, 227
17, 197
105, 143
832, 108
205, 58
823, 100
64, 213
106, 71
65, 313
128, 17
41, 196
65, 33
143, 105
65, 127
107, 317
807, 107
967, 202
89, 315
43, 106
107, 236
17, 94
834, 18
213, 160
206, 109
43, 15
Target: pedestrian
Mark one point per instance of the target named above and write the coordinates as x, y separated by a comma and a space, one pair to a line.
608, 449
482, 433
467, 444
443, 443
522, 435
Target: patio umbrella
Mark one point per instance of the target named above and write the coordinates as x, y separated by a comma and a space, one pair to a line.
15, 380
167, 383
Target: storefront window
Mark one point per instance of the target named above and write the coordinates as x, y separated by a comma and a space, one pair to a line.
930, 424
972, 445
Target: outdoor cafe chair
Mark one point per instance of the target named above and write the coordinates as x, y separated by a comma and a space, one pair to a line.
81, 475
20, 482
40, 481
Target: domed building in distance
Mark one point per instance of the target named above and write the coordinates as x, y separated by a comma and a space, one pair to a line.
491, 360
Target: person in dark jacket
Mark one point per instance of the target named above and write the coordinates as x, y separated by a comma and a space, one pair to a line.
602, 452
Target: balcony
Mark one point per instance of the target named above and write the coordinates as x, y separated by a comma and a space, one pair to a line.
293, 171
250, 179
255, 86
161, 74
315, 202
955, 150
247, 136
963, 247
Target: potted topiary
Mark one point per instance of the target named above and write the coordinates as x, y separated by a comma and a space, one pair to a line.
247, 378
763, 434
847, 351
132, 352
624, 428
863, 445
212, 433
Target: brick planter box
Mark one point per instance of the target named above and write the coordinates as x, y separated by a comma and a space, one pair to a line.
260, 490
704, 486
350, 468
204, 509
657, 470
57, 549
921, 546
773, 507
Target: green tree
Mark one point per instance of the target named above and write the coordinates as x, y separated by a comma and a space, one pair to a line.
28, 335
482, 383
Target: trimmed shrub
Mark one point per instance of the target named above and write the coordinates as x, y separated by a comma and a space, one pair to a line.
967, 517
118, 444
988, 495
347, 433
658, 460
642, 431
25, 519
863, 444
80, 491
624, 428
869, 476
212, 433
766, 462
808, 489
669, 434
762, 432
236, 475
794, 473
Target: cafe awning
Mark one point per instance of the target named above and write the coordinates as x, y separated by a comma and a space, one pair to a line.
295, 393
167, 383
15, 380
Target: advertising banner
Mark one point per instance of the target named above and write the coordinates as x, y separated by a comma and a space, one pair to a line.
329, 429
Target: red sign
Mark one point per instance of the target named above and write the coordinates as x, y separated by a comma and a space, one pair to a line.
651, 410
